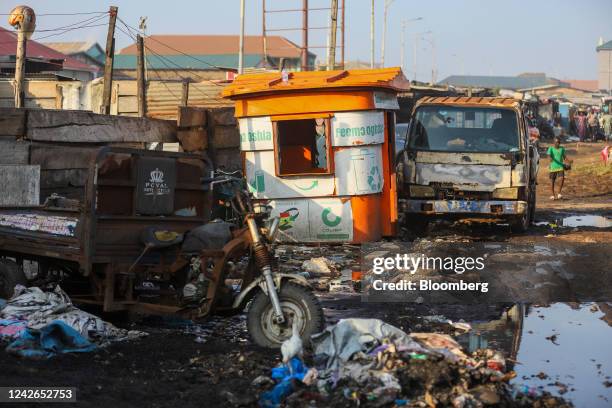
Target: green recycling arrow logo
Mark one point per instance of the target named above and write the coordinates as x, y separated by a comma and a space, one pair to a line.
314, 184
325, 218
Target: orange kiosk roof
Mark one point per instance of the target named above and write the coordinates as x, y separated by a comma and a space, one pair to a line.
249, 84
312, 91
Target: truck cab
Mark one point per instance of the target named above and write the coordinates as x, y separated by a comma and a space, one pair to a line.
468, 158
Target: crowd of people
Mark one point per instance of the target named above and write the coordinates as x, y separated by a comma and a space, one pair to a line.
593, 125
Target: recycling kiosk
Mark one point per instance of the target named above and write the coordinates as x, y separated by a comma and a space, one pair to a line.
318, 147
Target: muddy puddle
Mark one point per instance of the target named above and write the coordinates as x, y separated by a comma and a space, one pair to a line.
564, 349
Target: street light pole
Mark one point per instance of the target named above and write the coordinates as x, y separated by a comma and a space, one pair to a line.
414, 51
384, 34
241, 45
403, 45
372, 36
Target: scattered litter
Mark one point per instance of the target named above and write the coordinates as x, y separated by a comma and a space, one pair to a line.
318, 266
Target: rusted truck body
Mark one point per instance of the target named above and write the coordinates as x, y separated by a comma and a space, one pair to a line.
468, 158
92, 234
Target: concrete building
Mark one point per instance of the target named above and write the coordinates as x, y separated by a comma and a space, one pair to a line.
199, 57
604, 66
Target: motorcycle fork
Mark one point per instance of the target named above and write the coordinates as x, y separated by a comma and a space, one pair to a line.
263, 261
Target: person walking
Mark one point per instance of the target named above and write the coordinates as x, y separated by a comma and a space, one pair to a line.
557, 167
581, 125
593, 122
606, 124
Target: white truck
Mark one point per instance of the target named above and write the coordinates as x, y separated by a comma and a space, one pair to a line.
468, 158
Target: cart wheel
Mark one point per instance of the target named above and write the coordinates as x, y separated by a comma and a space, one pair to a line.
298, 302
11, 275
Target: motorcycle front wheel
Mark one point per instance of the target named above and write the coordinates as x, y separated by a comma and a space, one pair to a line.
298, 303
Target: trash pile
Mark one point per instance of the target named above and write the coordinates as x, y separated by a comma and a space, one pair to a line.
326, 269
366, 362
39, 325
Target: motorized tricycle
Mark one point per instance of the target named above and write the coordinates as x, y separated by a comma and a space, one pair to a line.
155, 232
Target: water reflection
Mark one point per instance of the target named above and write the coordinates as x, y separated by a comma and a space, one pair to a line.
563, 348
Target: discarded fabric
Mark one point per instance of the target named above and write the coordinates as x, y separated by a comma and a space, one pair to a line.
40, 308
55, 338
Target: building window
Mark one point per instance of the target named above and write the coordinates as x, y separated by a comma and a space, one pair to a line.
303, 146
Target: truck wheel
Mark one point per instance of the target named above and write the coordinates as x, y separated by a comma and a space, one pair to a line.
532, 205
297, 302
522, 224
11, 275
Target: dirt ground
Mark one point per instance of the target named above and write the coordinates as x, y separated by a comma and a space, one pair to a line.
173, 366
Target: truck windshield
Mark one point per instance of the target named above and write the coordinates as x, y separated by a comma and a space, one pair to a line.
464, 129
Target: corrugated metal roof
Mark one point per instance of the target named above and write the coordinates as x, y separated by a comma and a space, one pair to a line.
8, 46
246, 84
502, 82
70, 47
468, 100
277, 46
185, 62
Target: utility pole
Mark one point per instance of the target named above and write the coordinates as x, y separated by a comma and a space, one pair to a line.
20, 67
372, 36
142, 25
304, 35
342, 38
263, 34
414, 56
185, 92
140, 78
384, 35
108, 64
241, 45
433, 60
334, 28
403, 44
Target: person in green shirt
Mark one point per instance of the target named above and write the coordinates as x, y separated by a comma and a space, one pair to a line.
557, 166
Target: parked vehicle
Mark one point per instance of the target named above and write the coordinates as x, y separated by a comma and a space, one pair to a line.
468, 158
140, 239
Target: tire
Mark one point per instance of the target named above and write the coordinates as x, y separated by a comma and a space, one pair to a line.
521, 225
296, 301
11, 275
533, 205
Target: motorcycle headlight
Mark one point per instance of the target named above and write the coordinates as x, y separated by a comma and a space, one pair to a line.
509, 193
421, 191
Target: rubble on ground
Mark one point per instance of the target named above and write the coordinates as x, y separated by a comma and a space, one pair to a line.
366, 362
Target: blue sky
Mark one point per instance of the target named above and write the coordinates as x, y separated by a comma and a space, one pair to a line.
472, 36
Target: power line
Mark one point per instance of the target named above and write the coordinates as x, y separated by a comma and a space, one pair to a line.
161, 58
179, 51
90, 20
62, 31
164, 60
56, 14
